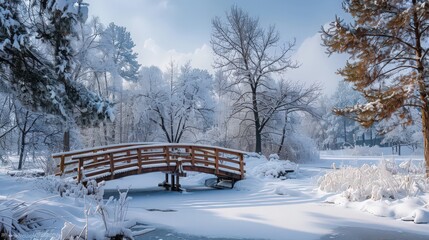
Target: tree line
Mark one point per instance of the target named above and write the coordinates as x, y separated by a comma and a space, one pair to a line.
68, 82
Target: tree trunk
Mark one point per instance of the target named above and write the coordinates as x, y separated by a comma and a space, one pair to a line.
345, 130
22, 150
106, 140
258, 143
66, 141
372, 140
425, 130
399, 149
283, 135
258, 130
120, 114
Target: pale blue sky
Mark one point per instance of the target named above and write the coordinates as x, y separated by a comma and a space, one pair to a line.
180, 29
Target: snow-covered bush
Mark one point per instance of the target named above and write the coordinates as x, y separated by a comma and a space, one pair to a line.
17, 217
118, 225
111, 213
66, 187
274, 168
273, 156
385, 181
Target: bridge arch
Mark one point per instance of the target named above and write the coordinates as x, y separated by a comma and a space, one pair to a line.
116, 161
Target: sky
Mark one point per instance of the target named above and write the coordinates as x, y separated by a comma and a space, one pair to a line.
181, 29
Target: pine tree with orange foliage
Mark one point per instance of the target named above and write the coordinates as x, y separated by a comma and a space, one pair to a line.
388, 44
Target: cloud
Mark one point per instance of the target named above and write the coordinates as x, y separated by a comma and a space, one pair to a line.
316, 65
153, 54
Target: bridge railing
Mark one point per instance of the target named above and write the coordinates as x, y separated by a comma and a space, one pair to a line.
63, 158
110, 161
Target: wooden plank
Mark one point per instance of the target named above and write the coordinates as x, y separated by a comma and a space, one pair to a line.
149, 155
152, 162
97, 149
192, 156
62, 161
97, 164
167, 154
242, 165
230, 152
112, 165
79, 170
217, 161
119, 167
205, 156
223, 167
236, 161
204, 162
98, 172
125, 158
139, 160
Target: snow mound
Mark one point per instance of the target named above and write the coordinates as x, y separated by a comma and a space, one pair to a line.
248, 184
420, 215
286, 191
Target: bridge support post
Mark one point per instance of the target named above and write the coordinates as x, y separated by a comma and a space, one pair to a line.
173, 184
165, 184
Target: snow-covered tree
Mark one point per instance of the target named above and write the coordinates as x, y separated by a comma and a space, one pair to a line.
121, 63
252, 55
182, 104
25, 121
341, 131
388, 42
117, 43
36, 79
398, 135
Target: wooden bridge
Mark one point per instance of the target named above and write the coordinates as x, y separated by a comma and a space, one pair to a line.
116, 161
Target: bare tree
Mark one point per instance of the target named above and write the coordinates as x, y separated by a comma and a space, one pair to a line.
25, 121
252, 55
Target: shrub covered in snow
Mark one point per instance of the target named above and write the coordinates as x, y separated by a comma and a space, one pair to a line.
112, 214
17, 217
108, 217
375, 182
66, 187
384, 190
274, 168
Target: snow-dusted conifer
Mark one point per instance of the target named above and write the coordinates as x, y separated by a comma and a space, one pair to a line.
32, 76
388, 44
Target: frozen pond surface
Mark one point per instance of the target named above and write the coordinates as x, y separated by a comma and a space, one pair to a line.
355, 233
163, 234
349, 233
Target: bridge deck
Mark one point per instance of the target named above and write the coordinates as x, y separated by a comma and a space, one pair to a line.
116, 161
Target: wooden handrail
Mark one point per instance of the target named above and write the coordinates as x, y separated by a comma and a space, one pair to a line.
141, 157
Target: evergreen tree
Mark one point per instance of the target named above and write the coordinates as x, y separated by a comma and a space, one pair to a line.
117, 44
30, 74
388, 43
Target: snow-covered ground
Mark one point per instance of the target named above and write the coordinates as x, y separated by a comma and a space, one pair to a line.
259, 207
